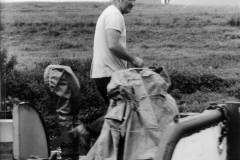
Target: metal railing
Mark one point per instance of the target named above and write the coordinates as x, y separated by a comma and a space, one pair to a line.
227, 113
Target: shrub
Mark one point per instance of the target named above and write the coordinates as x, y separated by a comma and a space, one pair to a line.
1, 27
199, 101
234, 90
28, 86
6, 67
188, 83
234, 20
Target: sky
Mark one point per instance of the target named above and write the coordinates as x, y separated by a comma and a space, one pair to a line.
207, 2
51, 0
184, 2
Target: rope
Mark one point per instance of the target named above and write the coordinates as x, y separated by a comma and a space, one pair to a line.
135, 131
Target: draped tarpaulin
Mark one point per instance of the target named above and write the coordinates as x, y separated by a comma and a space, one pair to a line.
139, 111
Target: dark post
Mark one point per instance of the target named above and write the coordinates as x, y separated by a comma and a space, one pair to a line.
233, 115
1, 86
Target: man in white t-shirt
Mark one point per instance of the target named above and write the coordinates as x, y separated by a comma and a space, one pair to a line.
109, 50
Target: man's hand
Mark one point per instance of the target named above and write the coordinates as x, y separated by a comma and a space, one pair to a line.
138, 62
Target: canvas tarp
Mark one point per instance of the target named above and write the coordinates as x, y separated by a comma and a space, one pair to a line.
139, 111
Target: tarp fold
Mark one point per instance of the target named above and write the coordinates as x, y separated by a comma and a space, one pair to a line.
139, 111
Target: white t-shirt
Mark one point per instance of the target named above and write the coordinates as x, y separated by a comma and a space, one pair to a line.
104, 63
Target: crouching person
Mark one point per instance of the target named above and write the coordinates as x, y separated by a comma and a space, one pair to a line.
74, 138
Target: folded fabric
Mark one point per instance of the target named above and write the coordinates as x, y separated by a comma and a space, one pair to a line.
140, 109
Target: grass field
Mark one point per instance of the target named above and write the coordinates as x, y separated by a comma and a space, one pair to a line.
192, 40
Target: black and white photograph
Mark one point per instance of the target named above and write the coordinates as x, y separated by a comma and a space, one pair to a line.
119, 79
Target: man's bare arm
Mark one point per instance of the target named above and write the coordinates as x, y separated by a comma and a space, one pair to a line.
118, 50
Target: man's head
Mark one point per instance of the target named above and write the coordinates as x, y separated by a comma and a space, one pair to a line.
125, 6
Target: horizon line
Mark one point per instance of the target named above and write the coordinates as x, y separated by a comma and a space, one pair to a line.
51, 1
